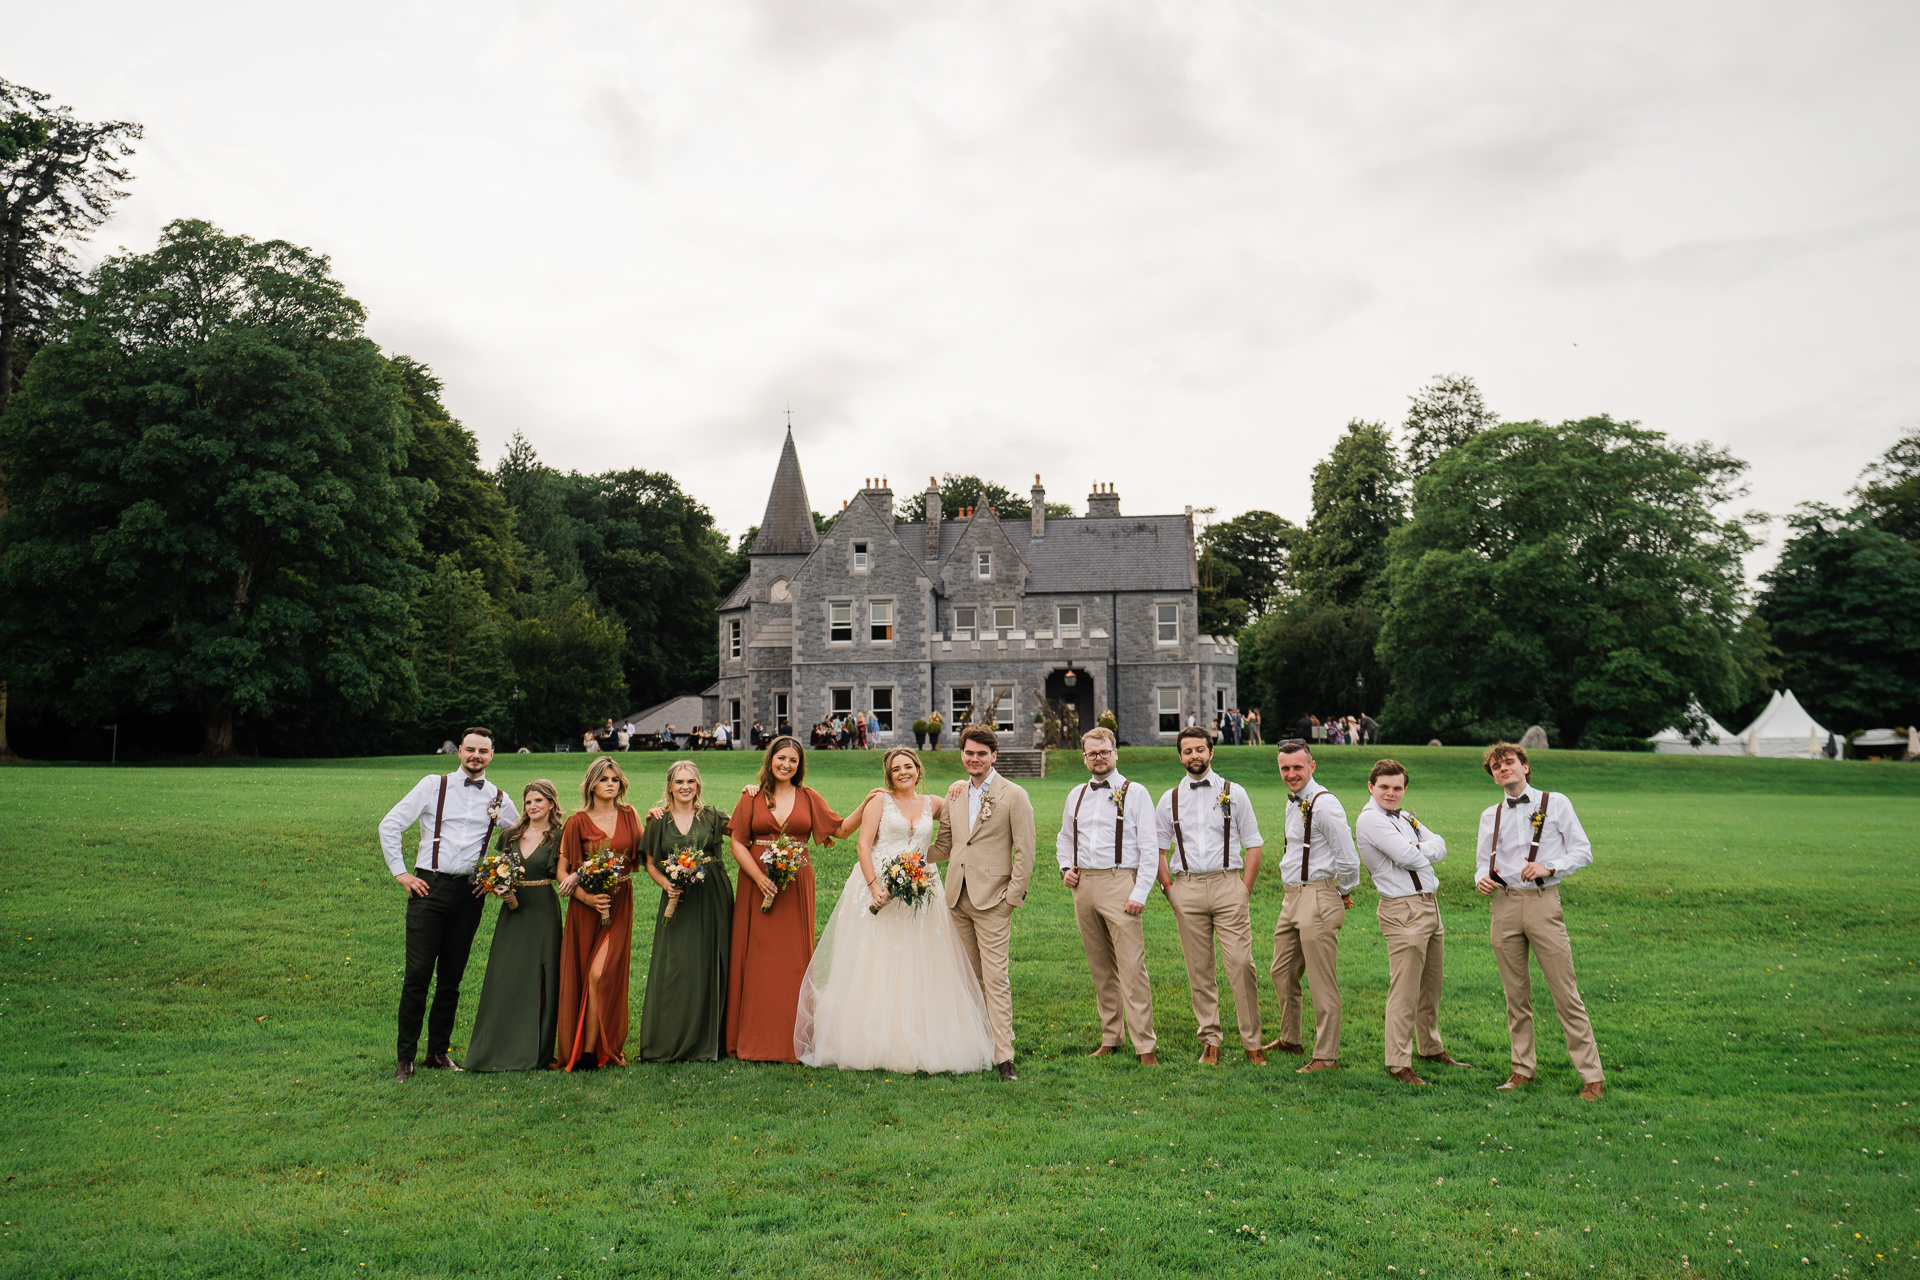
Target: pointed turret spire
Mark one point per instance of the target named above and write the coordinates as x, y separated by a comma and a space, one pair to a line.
787, 527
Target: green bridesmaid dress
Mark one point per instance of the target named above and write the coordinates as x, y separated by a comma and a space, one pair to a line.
519, 1002
685, 1018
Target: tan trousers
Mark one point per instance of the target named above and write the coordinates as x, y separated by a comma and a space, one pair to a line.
1415, 940
986, 935
1306, 939
1117, 954
1206, 905
1529, 919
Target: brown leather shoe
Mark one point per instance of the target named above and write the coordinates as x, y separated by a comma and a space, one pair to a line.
1405, 1075
1006, 1070
1257, 1057
1593, 1091
1271, 1045
1210, 1055
1514, 1081
404, 1071
442, 1061
1318, 1064
1148, 1060
1104, 1051
1445, 1059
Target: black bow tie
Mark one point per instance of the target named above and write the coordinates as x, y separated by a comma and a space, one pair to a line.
1099, 786
476, 782
1514, 800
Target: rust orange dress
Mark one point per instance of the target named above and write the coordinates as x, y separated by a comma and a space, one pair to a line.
771, 949
595, 956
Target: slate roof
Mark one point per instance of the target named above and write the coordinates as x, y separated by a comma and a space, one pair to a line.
787, 527
1083, 553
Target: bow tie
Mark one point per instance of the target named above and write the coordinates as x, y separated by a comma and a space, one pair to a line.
1196, 786
1297, 798
1514, 800
476, 782
1099, 786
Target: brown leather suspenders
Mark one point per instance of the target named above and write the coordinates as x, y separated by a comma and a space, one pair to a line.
1415, 824
439, 812
1226, 846
1306, 835
1075, 825
1533, 849
1119, 826
1179, 837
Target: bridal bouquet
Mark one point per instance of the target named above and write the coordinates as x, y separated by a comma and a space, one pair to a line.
783, 859
909, 879
683, 867
602, 872
500, 874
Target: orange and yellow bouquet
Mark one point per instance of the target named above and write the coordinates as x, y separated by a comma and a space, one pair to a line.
602, 872
683, 867
783, 859
909, 879
500, 874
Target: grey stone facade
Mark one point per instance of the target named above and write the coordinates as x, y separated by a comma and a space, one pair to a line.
907, 618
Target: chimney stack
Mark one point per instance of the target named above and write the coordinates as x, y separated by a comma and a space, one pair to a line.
1103, 501
880, 496
1039, 508
933, 519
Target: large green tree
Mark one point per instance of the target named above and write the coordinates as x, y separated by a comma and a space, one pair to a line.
1447, 411
1889, 490
1308, 657
1243, 569
206, 505
465, 519
1359, 498
1841, 605
1575, 574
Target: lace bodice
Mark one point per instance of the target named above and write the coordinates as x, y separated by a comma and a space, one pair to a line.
896, 835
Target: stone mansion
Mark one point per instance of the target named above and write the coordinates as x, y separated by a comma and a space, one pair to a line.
972, 617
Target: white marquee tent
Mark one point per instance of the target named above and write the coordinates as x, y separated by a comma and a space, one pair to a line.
1785, 730
1718, 740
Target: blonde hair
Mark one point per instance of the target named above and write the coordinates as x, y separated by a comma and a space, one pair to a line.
555, 820
886, 764
595, 771
666, 792
1101, 732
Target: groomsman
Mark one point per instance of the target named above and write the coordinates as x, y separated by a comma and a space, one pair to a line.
1399, 853
1108, 858
1529, 842
1320, 870
458, 813
1208, 826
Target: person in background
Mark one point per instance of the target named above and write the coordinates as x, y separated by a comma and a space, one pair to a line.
1370, 729
757, 737
1303, 728
1253, 727
667, 738
589, 742
622, 738
722, 736
873, 730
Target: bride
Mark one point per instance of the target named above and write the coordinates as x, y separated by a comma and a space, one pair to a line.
892, 990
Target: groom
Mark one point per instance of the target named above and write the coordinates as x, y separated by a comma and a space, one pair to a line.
988, 836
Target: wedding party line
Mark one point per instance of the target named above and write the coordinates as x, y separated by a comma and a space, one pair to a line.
911, 971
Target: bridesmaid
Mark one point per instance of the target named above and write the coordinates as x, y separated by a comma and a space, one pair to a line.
685, 1016
594, 958
513, 1030
770, 950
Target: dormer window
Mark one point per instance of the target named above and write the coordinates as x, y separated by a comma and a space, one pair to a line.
859, 557
983, 564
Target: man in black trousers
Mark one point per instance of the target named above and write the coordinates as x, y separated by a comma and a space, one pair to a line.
458, 814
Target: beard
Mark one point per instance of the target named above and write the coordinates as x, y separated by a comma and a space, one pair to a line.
1199, 768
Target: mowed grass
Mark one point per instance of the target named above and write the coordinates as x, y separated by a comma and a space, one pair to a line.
202, 964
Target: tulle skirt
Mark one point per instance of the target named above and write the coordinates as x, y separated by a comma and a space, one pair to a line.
892, 991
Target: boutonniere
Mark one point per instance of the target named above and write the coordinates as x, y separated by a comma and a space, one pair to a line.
1306, 805
1226, 797
1119, 798
493, 810
1539, 820
986, 807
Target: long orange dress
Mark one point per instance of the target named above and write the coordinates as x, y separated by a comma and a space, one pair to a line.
593, 953
771, 949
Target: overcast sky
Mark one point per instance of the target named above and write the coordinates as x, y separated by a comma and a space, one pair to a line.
1173, 246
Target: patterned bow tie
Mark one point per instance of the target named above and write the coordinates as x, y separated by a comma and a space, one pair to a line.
1196, 786
1297, 798
1515, 800
1099, 786
476, 782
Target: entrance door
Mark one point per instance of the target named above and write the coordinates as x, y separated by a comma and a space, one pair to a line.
1079, 695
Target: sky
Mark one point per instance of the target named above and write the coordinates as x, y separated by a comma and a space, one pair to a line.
1170, 247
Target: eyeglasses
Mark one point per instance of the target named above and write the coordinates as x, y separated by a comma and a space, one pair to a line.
1095, 755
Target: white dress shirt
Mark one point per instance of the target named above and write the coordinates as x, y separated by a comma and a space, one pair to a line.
1399, 851
1564, 846
1090, 834
462, 826
1332, 856
973, 797
1204, 826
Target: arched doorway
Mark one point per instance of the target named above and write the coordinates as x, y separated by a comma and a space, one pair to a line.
1078, 695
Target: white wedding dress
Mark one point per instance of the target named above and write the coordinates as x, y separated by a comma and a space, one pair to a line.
892, 991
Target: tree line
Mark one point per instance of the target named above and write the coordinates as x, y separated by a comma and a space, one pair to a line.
1474, 577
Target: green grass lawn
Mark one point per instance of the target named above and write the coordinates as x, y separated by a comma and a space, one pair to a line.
202, 964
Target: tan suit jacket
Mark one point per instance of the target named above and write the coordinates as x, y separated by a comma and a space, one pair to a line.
995, 859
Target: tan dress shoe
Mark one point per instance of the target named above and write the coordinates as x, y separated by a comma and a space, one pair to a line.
1405, 1075
1148, 1060
1271, 1045
1593, 1091
1210, 1055
1318, 1064
1104, 1051
1256, 1057
1445, 1059
1514, 1081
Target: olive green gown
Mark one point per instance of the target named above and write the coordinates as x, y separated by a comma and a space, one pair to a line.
685, 1018
520, 1000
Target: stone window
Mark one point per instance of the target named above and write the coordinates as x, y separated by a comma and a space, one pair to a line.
1069, 619
1003, 708
840, 622
779, 709
733, 718
1004, 619
964, 624
1166, 623
983, 564
959, 703
880, 620
883, 709
733, 637
859, 557
840, 702
1170, 709
1219, 702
